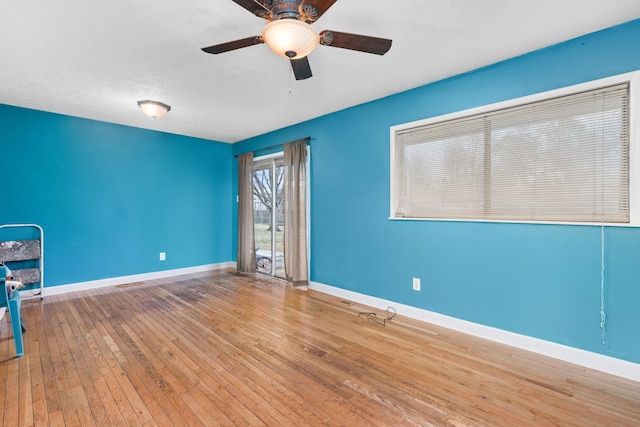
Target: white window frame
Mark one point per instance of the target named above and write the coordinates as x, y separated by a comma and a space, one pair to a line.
632, 78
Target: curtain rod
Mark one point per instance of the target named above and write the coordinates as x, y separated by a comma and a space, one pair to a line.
307, 139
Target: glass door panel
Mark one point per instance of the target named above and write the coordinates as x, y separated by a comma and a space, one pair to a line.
268, 213
278, 227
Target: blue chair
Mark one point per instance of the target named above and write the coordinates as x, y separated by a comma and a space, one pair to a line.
11, 300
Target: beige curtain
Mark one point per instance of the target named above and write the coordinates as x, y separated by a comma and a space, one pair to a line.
246, 261
295, 212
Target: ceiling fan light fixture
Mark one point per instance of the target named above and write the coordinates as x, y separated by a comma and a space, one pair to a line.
154, 109
290, 38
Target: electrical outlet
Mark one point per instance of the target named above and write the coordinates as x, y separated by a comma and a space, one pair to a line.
163, 256
416, 284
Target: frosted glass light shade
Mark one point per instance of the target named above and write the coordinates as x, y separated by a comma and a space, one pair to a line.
154, 108
290, 38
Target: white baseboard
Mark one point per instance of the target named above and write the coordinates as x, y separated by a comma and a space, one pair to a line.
123, 280
610, 365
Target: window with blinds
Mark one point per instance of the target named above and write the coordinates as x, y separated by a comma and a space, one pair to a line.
564, 159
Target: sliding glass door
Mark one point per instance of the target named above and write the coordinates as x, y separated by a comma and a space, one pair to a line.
268, 213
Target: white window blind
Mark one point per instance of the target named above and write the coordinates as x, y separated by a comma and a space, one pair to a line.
563, 159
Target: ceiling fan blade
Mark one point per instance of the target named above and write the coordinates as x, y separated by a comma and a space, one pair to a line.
254, 7
301, 68
236, 44
318, 8
357, 42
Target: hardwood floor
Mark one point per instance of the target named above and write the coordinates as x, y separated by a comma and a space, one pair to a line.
222, 349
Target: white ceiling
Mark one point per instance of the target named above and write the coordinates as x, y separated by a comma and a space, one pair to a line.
96, 59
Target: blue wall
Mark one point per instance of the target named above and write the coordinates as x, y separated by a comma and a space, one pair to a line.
538, 280
111, 198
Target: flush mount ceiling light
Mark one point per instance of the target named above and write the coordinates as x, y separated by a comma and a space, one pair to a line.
290, 38
154, 109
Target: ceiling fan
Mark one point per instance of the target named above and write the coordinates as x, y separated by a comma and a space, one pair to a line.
289, 33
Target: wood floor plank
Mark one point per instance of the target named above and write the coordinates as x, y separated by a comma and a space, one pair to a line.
149, 387
247, 391
5, 351
39, 333
143, 412
224, 397
59, 378
133, 342
175, 356
316, 416
170, 378
86, 396
25, 395
166, 381
218, 348
11, 415
203, 385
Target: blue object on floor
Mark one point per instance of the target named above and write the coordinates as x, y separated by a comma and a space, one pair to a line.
11, 300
